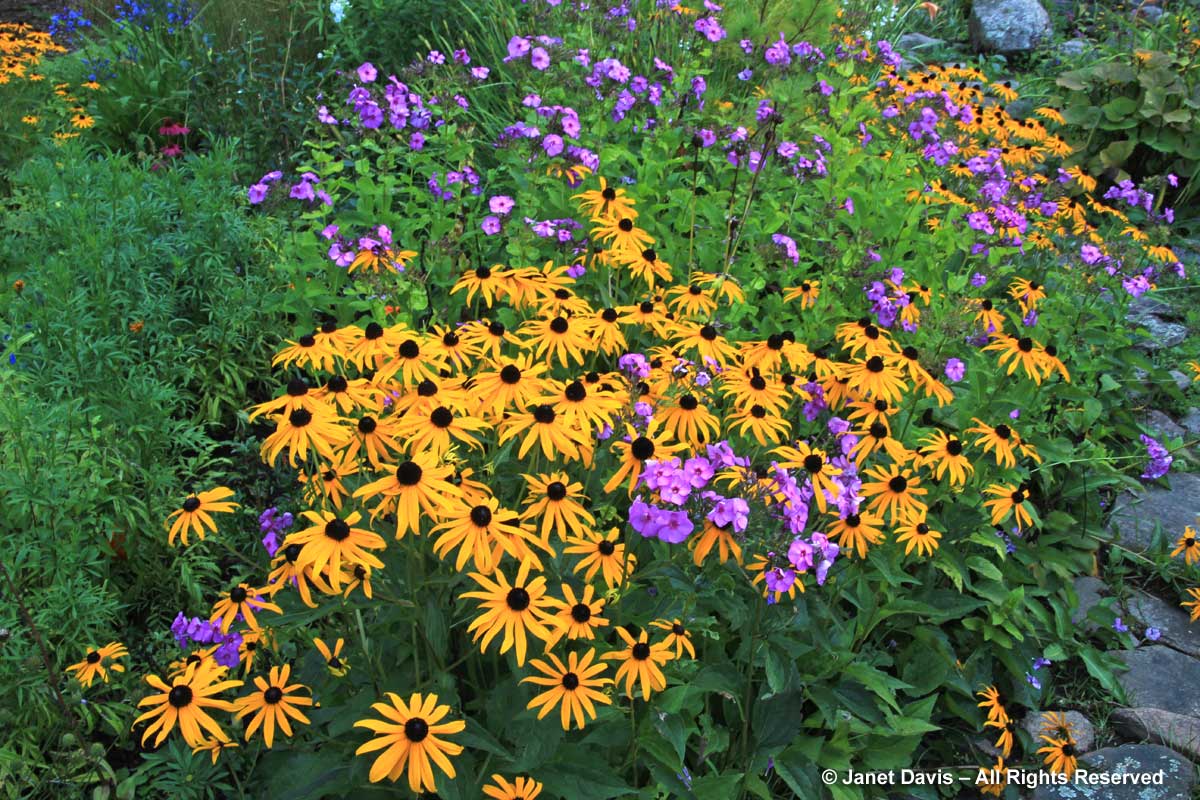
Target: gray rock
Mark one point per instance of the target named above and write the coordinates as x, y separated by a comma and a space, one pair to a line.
1171, 620
1075, 47
1159, 425
1008, 26
1149, 13
918, 41
1149, 305
1090, 591
1159, 677
1176, 731
1172, 509
1020, 108
1191, 421
1129, 759
1182, 382
1162, 334
1081, 728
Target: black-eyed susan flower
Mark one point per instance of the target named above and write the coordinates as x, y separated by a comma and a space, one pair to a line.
894, 491
1028, 293
552, 432
411, 736
621, 232
483, 532
1007, 732
606, 201
252, 644
306, 351
272, 704
193, 514
331, 542
816, 465
439, 429
514, 384
647, 266
487, 282
346, 396
300, 431
575, 687
1193, 605
875, 437
690, 300
417, 486
994, 703
1002, 441
1019, 351
515, 609
375, 436
296, 395
688, 421
758, 421
522, 788
576, 617
1009, 499
288, 570
374, 344
640, 662
865, 336
562, 339
184, 703
1187, 545
807, 293
337, 666
679, 638
583, 407
1060, 755
748, 388
714, 535
943, 454
214, 747
857, 532
98, 662
875, 378
916, 533
557, 500
703, 339
990, 319
605, 554
326, 484
633, 454
245, 600
1056, 725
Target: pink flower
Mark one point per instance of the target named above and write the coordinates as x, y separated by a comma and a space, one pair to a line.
539, 58
367, 72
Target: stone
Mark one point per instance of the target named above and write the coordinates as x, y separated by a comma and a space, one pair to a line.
1172, 621
1008, 26
1177, 731
1090, 591
1191, 421
1149, 305
1162, 334
1081, 727
1075, 47
917, 41
1020, 108
1159, 677
1151, 14
1136, 517
1160, 425
1182, 382
1128, 759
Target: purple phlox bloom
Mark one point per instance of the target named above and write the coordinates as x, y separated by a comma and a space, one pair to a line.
490, 225
1153, 634
1160, 459
1119, 626
367, 72
955, 370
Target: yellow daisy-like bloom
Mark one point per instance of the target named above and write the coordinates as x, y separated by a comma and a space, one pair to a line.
944, 454
184, 702
633, 454
641, 662
1022, 352
410, 735
707, 343
306, 351
688, 421
604, 554
522, 788
1003, 441
515, 609
487, 282
877, 379
272, 704
621, 233
996, 780
857, 532
993, 703
1009, 499
302, 430
562, 339
720, 537
93, 664
1060, 755
543, 426
331, 542
606, 201
1007, 731
337, 666
245, 600
818, 467
194, 514
807, 293
576, 617
575, 687
1187, 545
894, 491
1193, 605
417, 486
214, 747
484, 532
377, 437
556, 499
916, 533
678, 638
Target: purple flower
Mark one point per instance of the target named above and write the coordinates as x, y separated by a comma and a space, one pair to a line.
367, 72
576, 271
780, 580
1038, 663
417, 141
1160, 459
1119, 626
955, 369
979, 279
1153, 634
1032, 681
480, 73
257, 193
539, 58
490, 225
552, 144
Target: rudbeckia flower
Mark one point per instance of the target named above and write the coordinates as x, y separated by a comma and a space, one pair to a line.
436, 430
242, 599
640, 448
301, 431
605, 554
306, 351
194, 514
640, 662
606, 201
93, 664
993, 703
513, 385
410, 735
818, 467
576, 617
678, 637
562, 339
483, 532
1060, 755
1009, 499
417, 486
575, 687
487, 282
875, 378
944, 454
857, 532
556, 499
515, 609
546, 427
522, 788
1187, 545
337, 666
184, 702
272, 704
916, 533
716, 535
894, 491
331, 542
377, 436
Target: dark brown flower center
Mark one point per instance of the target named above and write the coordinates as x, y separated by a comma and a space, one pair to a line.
442, 417
954, 447
408, 474
481, 516
642, 448
517, 599
580, 612
410, 349
559, 325
180, 696
367, 425
556, 491
875, 364
606, 548
510, 374
416, 729
237, 594
544, 414
640, 651
337, 530
93, 657
688, 403
898, 484
273, 695
570, 681
191, 504
300, 417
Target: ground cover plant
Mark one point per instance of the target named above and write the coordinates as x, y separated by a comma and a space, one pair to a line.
671, 406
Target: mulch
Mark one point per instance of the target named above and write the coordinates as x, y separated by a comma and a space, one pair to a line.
33, 12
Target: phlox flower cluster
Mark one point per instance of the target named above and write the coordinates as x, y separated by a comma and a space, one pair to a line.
189, 632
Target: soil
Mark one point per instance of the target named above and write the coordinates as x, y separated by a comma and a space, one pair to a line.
33, 12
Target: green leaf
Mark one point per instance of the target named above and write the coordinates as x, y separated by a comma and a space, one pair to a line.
985, 568
777, 719
1100, 666
716, 787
